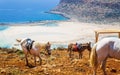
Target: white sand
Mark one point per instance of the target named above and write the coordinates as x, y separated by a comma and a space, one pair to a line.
65, 32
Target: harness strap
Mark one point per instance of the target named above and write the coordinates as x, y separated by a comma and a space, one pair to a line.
29, 44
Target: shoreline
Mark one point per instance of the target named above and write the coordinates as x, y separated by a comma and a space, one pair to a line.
57, 32
28, 23
59, 13
37, 21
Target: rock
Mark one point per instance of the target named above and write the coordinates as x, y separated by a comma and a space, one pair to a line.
29, 74
46, 73
47, 66
113, 70
37, 59
56, 70
53, 65
3, 71
52, 58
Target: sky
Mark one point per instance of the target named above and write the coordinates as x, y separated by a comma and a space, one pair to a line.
27, 4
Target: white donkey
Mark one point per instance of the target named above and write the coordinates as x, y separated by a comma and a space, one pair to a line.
103, 49
32, 47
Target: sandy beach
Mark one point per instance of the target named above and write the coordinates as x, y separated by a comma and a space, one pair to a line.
59, 63
56, 32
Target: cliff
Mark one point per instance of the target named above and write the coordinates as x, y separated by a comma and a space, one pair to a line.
90, 10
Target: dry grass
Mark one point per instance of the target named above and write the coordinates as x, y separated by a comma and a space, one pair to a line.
58, 64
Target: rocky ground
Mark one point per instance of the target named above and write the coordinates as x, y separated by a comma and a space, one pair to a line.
13, 63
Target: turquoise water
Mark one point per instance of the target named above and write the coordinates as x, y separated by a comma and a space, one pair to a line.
3, 28
3, 42
25, 11
19, 11
29, 17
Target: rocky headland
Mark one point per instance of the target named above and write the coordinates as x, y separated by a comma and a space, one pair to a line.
105, 11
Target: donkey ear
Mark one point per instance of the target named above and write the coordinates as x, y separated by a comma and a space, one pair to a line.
89, 42
18, 40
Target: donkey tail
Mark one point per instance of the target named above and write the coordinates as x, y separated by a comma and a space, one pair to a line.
93, 57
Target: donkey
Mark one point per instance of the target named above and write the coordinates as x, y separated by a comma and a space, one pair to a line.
30, 47
47, 48
103, 49
79, 48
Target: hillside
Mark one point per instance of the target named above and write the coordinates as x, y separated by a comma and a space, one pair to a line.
90, 10
13, 63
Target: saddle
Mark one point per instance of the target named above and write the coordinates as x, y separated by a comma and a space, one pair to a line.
29, 44
75, 48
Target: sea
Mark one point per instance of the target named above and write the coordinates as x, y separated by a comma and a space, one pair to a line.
21, 11
25, 11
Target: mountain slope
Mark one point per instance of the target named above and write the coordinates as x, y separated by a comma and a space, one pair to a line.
90, 10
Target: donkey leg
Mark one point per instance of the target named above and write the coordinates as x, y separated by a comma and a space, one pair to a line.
89, 54
35, 60
26, 60
95, 70
40, 60
103, 66
70, 53
80, 55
